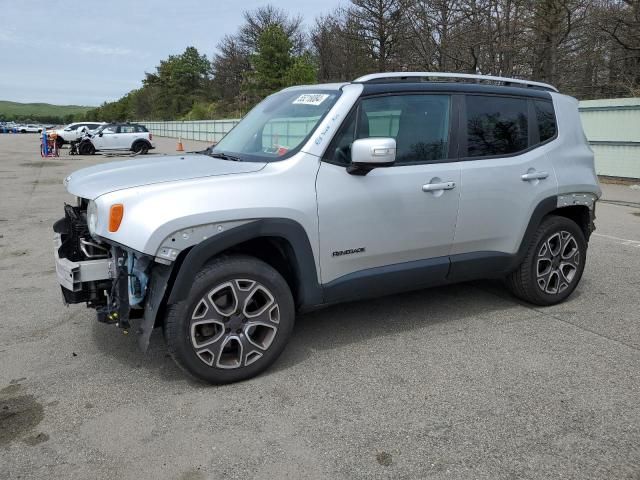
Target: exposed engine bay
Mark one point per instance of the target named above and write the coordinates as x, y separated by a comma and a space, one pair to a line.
111, 279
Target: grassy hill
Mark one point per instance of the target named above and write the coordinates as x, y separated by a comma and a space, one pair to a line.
39, 111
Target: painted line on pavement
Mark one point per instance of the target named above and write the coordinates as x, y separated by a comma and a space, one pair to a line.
621, 241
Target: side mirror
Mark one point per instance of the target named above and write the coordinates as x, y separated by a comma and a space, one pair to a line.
370, 153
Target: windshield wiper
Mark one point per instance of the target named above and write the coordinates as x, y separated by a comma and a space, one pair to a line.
224, 156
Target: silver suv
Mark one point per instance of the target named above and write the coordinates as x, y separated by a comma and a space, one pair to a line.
329, 193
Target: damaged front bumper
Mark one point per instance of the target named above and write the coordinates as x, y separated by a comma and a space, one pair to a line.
120, 284
72, 275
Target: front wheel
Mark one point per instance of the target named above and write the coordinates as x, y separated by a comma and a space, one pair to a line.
235, 322
86, 148
553, 265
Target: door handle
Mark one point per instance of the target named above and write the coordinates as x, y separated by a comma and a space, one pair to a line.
432, 187
534, 176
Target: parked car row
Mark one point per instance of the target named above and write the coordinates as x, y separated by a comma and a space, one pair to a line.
12, 127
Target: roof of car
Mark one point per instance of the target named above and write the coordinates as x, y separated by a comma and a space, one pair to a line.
451, 87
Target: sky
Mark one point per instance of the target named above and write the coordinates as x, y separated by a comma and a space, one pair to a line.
85, 53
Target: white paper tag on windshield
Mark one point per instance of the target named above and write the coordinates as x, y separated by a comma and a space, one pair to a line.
311, 99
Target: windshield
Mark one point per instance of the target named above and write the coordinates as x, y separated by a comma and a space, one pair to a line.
278, 126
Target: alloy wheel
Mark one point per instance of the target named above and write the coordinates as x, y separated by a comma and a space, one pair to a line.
234, 324
557, 262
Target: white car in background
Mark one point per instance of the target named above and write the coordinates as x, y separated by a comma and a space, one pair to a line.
74, 131
29, 128
117, 136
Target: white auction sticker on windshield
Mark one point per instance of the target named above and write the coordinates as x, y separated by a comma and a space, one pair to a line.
311, 99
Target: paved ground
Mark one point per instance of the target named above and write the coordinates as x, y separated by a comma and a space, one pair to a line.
456, 382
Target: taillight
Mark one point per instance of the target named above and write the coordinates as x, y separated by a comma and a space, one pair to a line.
150, 136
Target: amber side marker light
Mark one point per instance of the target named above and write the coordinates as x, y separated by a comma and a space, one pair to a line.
116, 212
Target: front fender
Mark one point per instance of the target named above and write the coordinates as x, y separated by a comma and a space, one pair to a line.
303, 263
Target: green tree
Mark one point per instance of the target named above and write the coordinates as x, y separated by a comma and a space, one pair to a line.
275, 67
270, 63
302, 72
179, 81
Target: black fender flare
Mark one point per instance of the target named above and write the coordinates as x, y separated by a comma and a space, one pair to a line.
544, 208
303, 263
138, 141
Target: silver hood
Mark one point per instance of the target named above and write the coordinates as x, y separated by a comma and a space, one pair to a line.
95, 181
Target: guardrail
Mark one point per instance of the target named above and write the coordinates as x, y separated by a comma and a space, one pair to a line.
612, 127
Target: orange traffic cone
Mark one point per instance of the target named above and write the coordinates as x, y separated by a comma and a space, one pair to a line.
179, 148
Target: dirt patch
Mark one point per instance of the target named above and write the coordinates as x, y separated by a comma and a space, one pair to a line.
48, 181
385, 459
42, 164
36, 439
637, 214
617, 180
19, 415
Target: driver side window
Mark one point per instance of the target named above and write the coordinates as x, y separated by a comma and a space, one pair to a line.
418, 123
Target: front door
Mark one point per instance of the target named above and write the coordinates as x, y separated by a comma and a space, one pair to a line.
395, 224
106, 138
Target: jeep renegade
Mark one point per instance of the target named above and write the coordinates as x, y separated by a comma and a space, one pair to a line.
329, 193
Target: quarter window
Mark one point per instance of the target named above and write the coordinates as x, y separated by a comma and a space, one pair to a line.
418, 123
546, 120
496, 125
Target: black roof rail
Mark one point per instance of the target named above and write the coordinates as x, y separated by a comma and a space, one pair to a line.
404, 76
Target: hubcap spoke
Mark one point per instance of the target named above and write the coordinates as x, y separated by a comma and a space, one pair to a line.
234, 324
557, 262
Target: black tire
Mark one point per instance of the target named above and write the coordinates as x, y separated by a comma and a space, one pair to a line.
223, 278
141, 148
86, 148
529, 281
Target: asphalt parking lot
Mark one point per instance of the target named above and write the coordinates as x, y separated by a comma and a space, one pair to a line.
455, 382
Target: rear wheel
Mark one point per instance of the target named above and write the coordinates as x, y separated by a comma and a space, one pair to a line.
235, 322
140, 148
553, 265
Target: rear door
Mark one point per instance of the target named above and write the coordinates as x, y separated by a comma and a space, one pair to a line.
389, 229
126, 136
505, 173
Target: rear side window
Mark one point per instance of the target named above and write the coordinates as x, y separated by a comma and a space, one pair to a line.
140, 129
496, 125
546, 120
127, 129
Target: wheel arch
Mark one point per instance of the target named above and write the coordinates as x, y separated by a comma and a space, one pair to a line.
138, 141
279, 242
581, 214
